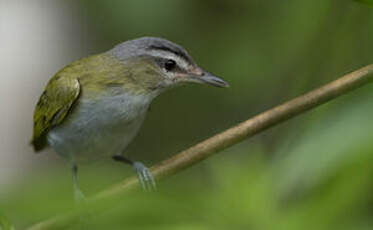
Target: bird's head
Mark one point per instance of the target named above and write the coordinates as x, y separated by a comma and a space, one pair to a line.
159, 64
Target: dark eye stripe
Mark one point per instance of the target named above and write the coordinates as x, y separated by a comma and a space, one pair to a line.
174, 51
161, 62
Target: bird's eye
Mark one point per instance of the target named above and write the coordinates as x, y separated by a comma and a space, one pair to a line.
169, 64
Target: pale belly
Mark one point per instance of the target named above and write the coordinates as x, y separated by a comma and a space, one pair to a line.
99, 128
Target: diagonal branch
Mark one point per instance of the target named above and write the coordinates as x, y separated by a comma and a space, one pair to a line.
223, 140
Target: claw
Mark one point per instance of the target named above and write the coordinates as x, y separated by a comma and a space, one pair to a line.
145, 177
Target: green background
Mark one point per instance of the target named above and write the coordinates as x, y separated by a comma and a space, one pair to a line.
313, 172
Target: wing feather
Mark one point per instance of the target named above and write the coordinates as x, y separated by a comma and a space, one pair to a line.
53, 106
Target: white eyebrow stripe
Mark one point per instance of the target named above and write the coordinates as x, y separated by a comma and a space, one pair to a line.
169, 55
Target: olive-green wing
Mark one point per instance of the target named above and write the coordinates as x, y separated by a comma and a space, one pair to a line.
53, 106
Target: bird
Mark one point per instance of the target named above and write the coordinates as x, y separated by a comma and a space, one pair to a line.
95, 106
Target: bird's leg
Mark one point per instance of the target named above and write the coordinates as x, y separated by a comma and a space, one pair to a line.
78, 194
79, 199
145, 177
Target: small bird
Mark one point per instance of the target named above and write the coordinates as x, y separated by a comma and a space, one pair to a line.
94, 107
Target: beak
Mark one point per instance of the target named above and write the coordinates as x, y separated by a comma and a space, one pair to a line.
201, 76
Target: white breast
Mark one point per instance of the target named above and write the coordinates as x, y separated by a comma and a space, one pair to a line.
100, 127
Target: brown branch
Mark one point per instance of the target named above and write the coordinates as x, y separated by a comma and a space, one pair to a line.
223, 140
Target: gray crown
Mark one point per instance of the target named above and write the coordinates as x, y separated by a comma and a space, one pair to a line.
143, 46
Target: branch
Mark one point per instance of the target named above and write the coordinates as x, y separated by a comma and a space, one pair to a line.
223, 140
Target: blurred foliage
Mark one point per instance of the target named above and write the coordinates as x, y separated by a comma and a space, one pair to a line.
5, 223
369, 2
314, 172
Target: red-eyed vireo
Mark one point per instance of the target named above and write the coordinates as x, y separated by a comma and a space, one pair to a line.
95, 106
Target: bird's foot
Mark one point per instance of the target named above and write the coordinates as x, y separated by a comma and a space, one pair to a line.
145, 177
